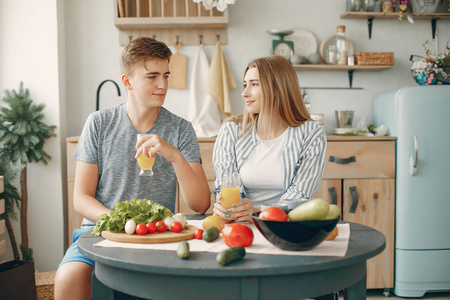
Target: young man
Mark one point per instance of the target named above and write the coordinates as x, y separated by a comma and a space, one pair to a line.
107, 171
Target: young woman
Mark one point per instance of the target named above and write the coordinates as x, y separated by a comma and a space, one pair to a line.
274, 145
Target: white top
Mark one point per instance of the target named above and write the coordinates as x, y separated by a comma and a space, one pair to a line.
303, 157
263, 171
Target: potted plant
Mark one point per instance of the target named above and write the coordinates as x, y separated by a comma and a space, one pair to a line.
12, 200
22, 137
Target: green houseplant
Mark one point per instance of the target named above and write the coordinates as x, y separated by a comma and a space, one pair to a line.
22, 138
12, 200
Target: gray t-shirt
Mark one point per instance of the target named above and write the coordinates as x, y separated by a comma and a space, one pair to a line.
108, 139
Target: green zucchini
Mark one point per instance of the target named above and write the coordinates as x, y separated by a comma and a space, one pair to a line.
183, 250
230, 254
210, 234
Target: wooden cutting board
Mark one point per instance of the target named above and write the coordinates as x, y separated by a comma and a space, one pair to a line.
177, 66
153, 238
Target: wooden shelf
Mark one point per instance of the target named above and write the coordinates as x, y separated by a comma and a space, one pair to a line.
340, 67
392, 15
170, 22
349, 70
370, 16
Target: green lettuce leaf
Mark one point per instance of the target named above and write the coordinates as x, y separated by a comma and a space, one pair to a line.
140, 210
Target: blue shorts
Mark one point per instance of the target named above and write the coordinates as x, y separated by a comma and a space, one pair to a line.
73, 254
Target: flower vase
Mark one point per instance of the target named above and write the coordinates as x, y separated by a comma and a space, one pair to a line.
425, 78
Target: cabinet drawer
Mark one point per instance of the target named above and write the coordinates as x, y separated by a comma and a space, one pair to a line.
353, 159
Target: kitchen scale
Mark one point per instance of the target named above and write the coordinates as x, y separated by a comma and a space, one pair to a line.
281, 47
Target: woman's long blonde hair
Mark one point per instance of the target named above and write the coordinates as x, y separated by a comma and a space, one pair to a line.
280, 93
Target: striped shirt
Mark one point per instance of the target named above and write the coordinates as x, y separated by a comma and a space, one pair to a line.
303, 157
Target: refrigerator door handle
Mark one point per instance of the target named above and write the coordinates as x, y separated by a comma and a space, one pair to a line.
415, 158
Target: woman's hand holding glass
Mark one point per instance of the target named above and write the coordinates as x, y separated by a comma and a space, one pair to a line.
239, 212
229, 206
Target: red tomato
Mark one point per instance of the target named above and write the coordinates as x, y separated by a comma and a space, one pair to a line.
176, 227
237, 235
141, 229
198, 234
151, 227
155, 221
273, 213
160, 226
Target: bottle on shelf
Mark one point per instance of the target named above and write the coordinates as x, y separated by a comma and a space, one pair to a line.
332, 55
341, 46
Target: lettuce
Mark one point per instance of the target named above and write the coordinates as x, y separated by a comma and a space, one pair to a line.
140, 210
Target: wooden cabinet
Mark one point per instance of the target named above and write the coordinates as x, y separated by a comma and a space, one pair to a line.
73, 218
206, 150
360, 178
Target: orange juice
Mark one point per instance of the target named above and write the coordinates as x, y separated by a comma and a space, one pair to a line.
144, 162
229, 195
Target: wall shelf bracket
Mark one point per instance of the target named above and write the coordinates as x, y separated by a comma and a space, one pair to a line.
369, 24
350, 78
433, 27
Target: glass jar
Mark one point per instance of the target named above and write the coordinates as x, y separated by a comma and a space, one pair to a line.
353, 5
371, 5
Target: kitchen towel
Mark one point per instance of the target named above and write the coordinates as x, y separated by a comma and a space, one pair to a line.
336, 247
220, 82
204, 113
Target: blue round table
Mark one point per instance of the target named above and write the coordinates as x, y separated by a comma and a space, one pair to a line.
155, 274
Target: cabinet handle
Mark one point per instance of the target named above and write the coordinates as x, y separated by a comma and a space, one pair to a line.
342, 161
333, 195
354, 195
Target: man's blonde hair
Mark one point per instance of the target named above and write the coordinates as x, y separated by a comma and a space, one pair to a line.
140, 51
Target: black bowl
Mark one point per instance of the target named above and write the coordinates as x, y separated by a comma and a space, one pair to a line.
294, 235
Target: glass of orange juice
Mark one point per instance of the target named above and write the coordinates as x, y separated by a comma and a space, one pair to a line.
144, 162
231, 189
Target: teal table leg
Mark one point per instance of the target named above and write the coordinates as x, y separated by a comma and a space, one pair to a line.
250, 288
357, 291
100, 291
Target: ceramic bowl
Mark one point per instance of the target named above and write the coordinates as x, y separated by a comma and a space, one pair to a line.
294, 235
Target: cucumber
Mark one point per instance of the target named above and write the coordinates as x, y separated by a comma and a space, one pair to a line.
183, 250
230, 254
210, 234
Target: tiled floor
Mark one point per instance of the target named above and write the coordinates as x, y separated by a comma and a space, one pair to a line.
378, 295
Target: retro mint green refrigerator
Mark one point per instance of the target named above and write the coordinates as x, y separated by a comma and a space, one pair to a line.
420, 119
